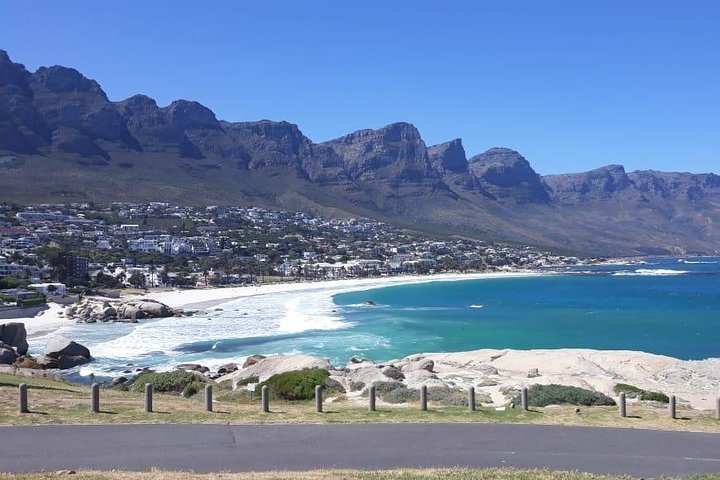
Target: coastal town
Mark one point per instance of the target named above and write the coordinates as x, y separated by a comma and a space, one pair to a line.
80, 247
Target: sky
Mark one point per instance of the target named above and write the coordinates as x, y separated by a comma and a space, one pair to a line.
572, 85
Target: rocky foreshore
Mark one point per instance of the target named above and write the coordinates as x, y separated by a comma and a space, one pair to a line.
100, 309
60, 353
497, 375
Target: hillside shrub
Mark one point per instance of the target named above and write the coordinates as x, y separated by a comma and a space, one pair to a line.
553, 394
178, 382
248, 380
632, 391
401, 395
296, 385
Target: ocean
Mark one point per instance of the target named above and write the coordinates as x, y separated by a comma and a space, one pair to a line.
663, 305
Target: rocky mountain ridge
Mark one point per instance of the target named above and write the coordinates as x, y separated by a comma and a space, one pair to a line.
56, 120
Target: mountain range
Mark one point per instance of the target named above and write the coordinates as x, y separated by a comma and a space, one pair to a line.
62, 139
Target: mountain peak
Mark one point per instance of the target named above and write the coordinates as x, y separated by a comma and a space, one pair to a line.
504, 173
185, 114
449, 156
63, 79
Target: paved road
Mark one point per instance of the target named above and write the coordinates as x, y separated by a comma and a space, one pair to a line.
205, 448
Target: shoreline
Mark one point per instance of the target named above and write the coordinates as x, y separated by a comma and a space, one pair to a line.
696, 382
214, 296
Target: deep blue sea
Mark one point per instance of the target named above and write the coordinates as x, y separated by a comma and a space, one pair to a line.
664, 306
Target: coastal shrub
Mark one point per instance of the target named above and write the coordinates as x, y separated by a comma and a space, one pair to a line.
448, 396
634, 392
401, 395
355, 386
553, 394
296, 385
385, 387
332, 386
248, 380
177, 381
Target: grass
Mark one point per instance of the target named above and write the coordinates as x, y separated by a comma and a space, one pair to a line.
404, 474
59, 402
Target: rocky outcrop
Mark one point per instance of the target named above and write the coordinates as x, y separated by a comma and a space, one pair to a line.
91, 310
13, 335
267, 367
508, 176
67, 353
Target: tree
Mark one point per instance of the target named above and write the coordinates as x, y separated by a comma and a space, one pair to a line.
137, 280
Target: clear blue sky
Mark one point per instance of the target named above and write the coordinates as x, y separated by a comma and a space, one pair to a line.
572, 85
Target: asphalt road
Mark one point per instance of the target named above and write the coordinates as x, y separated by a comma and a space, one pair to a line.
206, 448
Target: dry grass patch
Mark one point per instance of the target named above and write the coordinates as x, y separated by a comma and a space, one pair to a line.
58, 402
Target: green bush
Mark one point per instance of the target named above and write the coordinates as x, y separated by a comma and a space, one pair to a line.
248, 380
634, 392
178, 381
401, 395
544, 395
296, 385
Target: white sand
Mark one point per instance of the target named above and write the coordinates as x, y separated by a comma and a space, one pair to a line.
204, 298
47, 321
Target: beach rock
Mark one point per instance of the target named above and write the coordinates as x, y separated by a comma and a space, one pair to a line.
119, 381
70, 361
192, 367
392, 372
66, 353
7, 355
14, 335
227, 368
59, 346
27, 361
109, 313
423, 364
252, 360
418, 378
267, 367
361, 378
533, 373
46, 362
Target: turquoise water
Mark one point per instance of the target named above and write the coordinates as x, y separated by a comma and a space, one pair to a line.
639, 307
662, 306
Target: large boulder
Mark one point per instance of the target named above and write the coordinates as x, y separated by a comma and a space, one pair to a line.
252, 360
270, 366
66, 353
14, 335
7, 355
422, 364
28, 362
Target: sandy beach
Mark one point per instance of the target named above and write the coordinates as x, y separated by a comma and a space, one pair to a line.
204, 298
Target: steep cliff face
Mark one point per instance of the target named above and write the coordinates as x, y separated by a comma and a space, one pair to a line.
57, 120
596, 185
393, 154
506, 175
